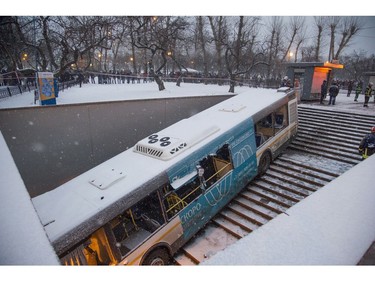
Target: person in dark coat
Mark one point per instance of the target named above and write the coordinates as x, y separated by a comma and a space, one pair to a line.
367, 144
333, 92
323, 91
285, 82
80, 79
350, 88
368, 94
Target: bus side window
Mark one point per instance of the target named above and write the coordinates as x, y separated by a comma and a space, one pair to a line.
213, 167
281, 118
100, 245
79, 256
224, 153
172, 202
95, 251
267, 122
264, 130
189, 191
209, 170
136, 224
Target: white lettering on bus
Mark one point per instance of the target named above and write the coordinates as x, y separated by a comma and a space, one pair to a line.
192, 212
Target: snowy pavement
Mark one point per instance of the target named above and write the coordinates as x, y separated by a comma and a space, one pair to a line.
113, 92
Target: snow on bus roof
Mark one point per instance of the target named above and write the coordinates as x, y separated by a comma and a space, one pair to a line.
80, 199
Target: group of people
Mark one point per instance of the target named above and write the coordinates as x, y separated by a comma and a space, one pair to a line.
368, 92
333, 91
367, 145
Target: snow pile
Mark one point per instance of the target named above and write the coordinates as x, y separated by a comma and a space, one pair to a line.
23, 239
116, 92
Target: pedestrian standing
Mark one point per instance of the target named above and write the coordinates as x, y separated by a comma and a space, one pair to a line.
333, 92
350, 87
80, 79
368, 94
323, 91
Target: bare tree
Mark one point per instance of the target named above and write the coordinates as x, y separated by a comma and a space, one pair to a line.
59, 42
119, 31
350, 27
274, 27
300, 39
11, 45
240, 55
55, 43
220, 34
356, 64
156, 34
333, 23
202, 43
296, 24
320, 24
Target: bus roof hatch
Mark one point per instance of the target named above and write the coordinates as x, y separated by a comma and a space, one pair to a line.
106, 178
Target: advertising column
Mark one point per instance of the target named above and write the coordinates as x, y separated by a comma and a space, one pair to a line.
46, 88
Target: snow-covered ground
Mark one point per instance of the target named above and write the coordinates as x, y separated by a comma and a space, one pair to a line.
334, 226
115, 92
22, 237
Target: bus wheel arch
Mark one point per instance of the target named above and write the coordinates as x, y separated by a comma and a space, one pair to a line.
157, 256
264, 162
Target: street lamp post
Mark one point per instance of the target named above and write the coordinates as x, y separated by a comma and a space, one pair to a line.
100, 61
24, 59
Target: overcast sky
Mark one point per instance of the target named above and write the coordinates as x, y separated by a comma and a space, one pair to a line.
364, 40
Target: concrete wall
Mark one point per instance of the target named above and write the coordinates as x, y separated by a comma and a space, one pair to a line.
53, 144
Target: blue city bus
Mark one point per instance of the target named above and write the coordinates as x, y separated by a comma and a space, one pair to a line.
141, 206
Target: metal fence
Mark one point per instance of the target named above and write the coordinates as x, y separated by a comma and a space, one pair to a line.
9, 91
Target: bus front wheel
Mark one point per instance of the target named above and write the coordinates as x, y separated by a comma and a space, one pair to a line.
264, 163
157, 257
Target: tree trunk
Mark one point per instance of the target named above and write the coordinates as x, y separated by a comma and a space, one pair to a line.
179, 79
159, 82
232, 83
317, 49
270, 54
133, 61
203, 47
218, 35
